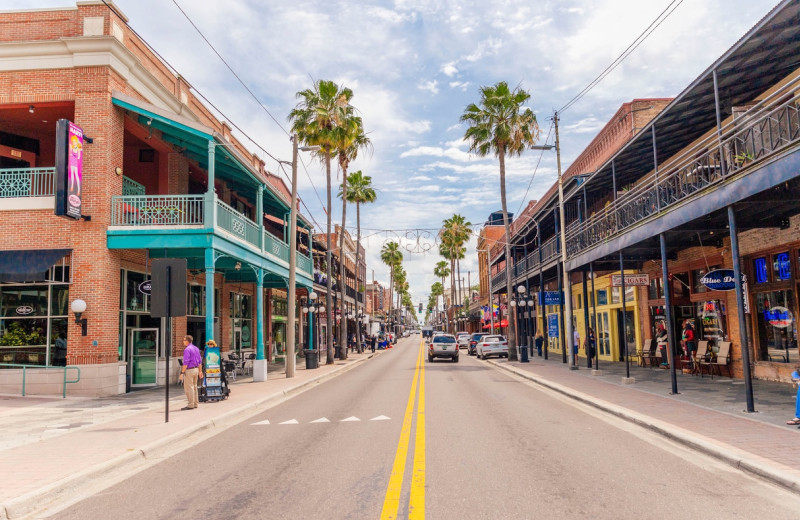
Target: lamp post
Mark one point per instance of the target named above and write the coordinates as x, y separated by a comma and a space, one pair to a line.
291, 304
311, 308
522, 300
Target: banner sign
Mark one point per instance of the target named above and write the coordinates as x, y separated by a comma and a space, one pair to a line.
213, 373
720, 280
550, 298
552, 325
642, 280
779, 317
69, 169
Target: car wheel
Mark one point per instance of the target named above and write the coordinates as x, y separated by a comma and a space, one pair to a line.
483, 357
455, 359
430, 359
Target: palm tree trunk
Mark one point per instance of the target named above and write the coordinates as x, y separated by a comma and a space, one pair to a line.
342, 280
460, 296
328, 271
358, 250
391, 302
452, 288
512, 329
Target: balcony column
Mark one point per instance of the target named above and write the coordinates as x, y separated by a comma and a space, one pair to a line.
623, 341
655, 167
671, 339
260, 363
542, 305
740, 303
260, 215
209, 266
594, 322
614, 188
210, 216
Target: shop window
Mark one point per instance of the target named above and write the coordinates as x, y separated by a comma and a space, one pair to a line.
776, 327
602, 297
781, 267
135, 299
196, 301
656, 289
698, 275
33, 324
615, 291
23, 301
680, 285
760, 270
713, 321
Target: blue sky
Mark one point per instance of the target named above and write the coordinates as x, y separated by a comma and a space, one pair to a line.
414, 66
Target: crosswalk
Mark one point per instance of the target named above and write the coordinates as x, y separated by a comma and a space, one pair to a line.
352, 418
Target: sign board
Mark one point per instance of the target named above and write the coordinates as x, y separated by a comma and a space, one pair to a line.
168, 289
213, 373
69, 169
145, 287
641, 280
550, 298
552, 325
720, 280
779, 317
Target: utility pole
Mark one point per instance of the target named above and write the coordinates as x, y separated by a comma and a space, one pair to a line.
563, 232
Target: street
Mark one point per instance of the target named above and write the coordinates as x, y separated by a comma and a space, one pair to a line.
495, 447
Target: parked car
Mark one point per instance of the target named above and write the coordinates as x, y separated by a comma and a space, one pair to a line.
472, 347
443, 345
492, 346
462, 338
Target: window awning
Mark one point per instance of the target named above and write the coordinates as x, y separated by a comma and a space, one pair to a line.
29, 265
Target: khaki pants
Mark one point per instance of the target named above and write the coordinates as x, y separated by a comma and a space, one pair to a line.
190, 386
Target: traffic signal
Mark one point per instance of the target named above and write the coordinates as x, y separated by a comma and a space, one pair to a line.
420, 308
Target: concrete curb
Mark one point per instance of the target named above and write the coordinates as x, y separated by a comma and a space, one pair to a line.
172, 444
775, 473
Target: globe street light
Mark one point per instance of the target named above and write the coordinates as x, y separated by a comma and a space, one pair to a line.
310, 308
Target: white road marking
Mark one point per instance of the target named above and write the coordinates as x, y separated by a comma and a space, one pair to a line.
259, 423
290, 421
321, 420
350, 419
380, 418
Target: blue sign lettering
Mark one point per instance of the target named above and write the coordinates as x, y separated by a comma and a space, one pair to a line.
552, 325
550, 298
720, 280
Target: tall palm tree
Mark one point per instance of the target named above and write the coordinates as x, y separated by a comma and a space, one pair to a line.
316, 120
350, 139
498, 125
392, 257
359, 191
458, 231
442, 271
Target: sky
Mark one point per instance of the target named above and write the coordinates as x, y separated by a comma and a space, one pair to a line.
414, 66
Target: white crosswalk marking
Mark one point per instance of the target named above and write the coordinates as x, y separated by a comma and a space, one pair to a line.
380, 418
290, 421
321, 420
259, 423
350, 419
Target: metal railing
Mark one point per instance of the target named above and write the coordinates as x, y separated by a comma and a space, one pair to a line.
131, 187
304, 263
156, 210
761, 132
25, 368
27, 182
237, 224
276, 247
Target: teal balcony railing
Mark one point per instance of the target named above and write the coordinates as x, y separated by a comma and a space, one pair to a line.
131, 187
276, 247
237, 224
27, 182
304, 263
157, 210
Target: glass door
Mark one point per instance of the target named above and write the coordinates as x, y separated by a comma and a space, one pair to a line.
603, 339
143, 346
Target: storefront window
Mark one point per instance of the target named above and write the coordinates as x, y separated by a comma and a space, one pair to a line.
760, 270
602, 297
680, 285
777, 328
241, 312
135, 299
196, 301
656, 290
781, 267
698, 275
615, 294
33, 327
713, 321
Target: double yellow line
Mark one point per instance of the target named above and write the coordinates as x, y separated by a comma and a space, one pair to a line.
416, 503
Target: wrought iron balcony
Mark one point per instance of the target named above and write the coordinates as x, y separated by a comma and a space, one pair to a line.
27, 182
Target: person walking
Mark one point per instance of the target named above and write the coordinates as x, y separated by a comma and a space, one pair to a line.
190, 372
661, 341
796, 420
576, 344
373, 340
591, 347
688, 341
539, 340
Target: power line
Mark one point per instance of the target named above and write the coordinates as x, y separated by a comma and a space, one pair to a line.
674, 4
533, 175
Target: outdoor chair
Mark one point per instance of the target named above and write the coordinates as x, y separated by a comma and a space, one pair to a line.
651, 357
722, 359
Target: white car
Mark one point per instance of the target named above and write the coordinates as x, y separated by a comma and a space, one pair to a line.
492, 346
462, 338
443, 345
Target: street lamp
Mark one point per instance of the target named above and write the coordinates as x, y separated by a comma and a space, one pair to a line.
310, 308
290, 337
567, 294
522, 300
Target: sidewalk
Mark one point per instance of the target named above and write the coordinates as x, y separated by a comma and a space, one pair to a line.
707, 415
51, 446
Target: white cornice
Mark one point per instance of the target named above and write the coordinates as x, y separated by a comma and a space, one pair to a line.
97, 51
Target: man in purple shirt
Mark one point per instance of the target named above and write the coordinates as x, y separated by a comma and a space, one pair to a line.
189, 372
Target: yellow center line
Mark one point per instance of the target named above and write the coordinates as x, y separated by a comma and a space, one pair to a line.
392, 501
416, 504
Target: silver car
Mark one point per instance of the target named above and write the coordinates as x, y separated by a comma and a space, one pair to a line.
462, 338
492, 346
443, 345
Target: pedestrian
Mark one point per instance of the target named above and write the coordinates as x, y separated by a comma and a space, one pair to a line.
576, 344
663, 345
591, 346
539, 340
688, 342
372, 343
796, 420
190, 372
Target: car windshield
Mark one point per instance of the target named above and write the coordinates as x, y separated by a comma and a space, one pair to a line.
476, 337
494, 339
444, 339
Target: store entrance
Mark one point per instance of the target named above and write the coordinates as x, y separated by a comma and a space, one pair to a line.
143, 362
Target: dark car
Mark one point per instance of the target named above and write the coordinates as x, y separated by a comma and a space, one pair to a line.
472, 348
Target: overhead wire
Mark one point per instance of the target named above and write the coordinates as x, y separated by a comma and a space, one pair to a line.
535, 169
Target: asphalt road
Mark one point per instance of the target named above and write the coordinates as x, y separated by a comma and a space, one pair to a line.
495, 447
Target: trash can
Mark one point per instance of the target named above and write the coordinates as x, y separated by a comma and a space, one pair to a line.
523, 354
312, 360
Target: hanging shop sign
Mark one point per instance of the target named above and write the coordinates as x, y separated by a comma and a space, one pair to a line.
69, 169
145, 287
552, 325
630, 280
720, 280
24, 310
550, 298
779, 317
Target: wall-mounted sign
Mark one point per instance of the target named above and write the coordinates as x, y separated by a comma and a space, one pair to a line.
602, 297
145, 287
630, 280
24, 310
552, 325
69, 169
720, 280
779, 317
550, 298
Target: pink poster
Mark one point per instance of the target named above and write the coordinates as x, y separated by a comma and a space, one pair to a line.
74, 170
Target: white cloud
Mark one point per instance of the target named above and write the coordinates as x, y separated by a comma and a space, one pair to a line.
430, 86
460, 85
449, 69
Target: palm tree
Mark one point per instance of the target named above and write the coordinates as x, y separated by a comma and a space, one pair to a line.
393, 257
360, 191
458, 231
350, 139
316, 120
499, 126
